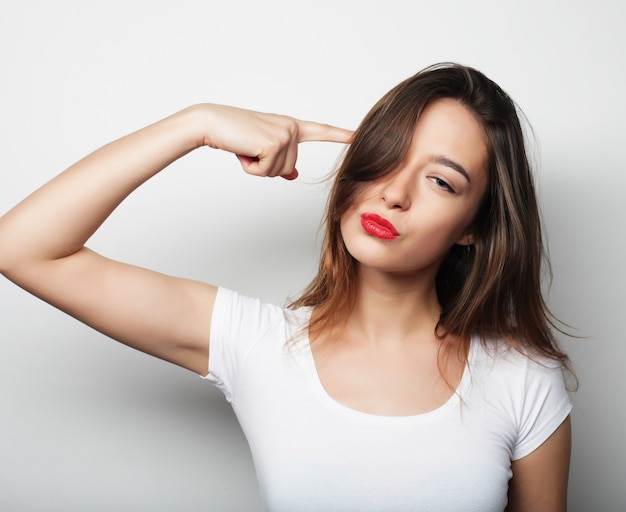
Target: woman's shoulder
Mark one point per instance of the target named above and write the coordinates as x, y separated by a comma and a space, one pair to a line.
491, 351
521, 386
262, 314
505, 366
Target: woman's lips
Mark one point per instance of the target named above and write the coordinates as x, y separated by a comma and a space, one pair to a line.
378, 226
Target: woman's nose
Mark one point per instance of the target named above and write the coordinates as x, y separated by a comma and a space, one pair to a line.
397, 192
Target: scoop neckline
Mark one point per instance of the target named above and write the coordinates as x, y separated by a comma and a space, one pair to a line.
328, 401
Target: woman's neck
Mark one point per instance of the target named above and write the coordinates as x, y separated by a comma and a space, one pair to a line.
392, 308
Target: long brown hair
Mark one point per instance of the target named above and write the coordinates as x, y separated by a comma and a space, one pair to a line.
491, 288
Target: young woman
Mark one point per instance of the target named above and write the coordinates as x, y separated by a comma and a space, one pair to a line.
417, 371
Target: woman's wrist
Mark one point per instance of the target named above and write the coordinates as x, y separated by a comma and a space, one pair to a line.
200, 119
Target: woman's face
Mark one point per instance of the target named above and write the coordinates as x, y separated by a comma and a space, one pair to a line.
408, 220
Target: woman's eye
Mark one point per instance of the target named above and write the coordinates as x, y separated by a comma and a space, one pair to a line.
442, 184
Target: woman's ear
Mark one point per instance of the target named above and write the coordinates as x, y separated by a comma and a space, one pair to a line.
466, 239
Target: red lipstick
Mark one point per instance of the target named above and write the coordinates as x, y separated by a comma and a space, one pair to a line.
378, 226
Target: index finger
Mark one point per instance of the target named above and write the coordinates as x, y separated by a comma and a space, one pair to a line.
311, 131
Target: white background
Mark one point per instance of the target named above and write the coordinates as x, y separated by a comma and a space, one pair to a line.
89, 425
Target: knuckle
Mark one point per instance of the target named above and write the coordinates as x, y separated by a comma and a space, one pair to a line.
273, 144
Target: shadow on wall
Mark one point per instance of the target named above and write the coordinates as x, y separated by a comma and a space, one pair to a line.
585, 213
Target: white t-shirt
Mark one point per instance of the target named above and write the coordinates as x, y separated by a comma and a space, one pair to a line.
313, 454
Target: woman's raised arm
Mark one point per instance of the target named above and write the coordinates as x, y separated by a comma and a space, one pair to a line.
42, 239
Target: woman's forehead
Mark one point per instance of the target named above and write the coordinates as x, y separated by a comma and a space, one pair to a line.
448, 131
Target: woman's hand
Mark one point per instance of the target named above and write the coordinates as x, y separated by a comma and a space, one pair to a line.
265, 144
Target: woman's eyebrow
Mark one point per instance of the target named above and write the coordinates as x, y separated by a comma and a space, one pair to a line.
439, 159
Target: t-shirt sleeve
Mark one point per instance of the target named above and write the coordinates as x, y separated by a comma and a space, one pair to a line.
544, 404
237, 324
